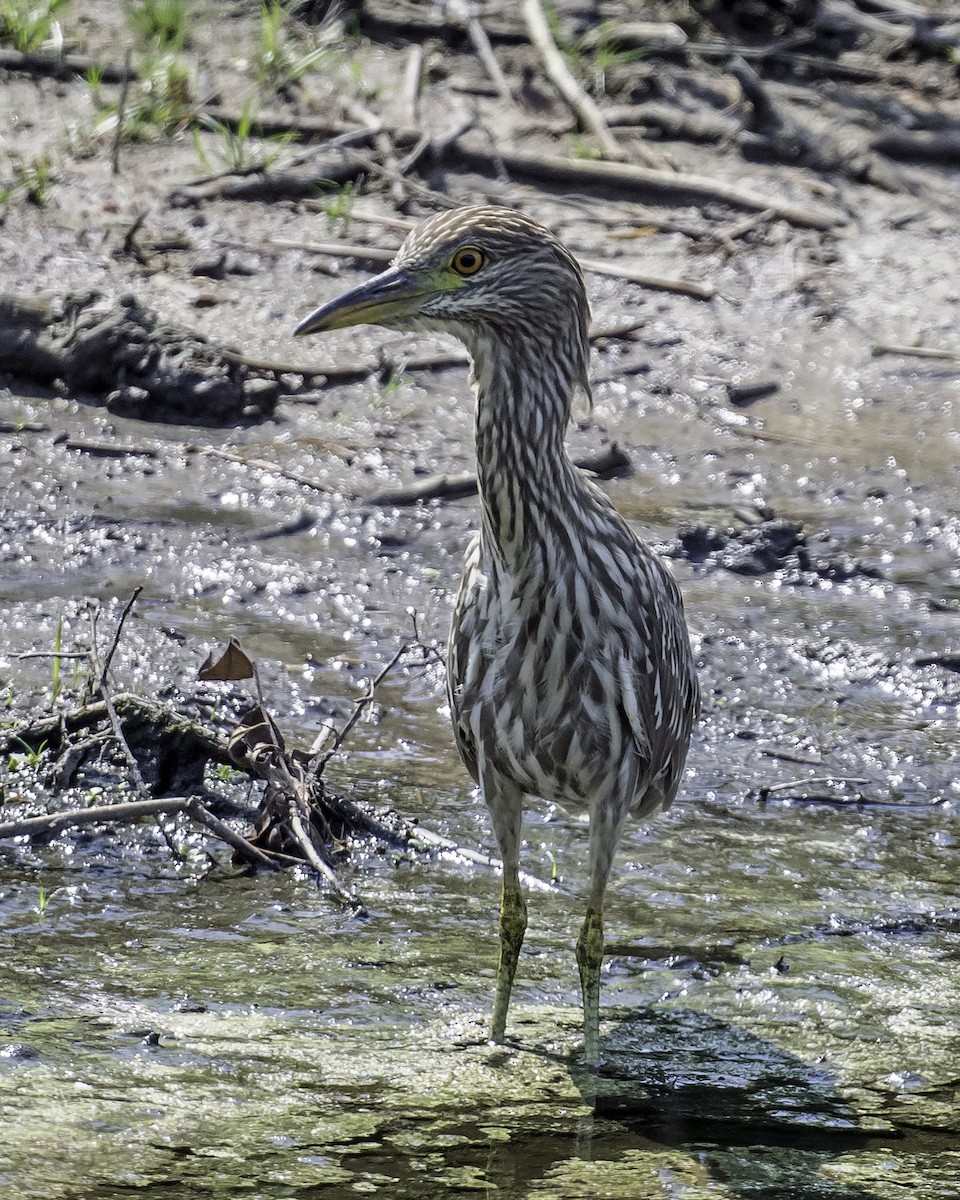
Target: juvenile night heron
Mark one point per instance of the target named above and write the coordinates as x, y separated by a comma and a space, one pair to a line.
569, 667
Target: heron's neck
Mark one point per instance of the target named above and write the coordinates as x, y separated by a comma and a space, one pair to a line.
524, 474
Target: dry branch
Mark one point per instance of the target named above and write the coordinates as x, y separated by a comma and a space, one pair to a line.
682, 287
940, 147
915, 352
672, 122
62, 66
462, 10
583, 107
645, 182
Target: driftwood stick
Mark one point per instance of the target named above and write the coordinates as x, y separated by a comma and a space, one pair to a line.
412, 80
371, 254
666, 185
62, 66
99, 814
251, 853
915, 352
121, 114
683, 287
462, 10
580, 103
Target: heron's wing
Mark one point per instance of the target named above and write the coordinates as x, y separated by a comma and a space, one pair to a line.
658, 685
462, 643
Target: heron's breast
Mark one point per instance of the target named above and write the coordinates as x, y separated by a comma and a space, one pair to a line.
541, 705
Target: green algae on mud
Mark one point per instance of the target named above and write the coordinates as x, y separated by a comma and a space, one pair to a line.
216, 1036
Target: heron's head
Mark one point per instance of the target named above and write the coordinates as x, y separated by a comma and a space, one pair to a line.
484, 274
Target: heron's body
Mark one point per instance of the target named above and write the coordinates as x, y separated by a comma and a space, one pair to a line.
570, 673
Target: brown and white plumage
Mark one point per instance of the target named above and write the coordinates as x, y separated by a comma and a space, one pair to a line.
570, 673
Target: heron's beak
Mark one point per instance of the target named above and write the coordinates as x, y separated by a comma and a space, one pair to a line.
381, 300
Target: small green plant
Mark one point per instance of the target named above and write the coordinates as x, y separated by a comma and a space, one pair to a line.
42, 899
227, 774
29, 757
27, 24
276, 63
233, 148
603, 55
161, 23
93, 78
338, 208
33, 179
162, 103
57, 647
390, 385
582, 149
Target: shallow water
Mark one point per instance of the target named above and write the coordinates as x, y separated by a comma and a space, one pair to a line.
783, 978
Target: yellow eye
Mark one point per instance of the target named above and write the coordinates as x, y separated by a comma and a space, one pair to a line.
468, 260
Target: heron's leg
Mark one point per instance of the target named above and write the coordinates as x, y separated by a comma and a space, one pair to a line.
505, 803
589, 960
606, 824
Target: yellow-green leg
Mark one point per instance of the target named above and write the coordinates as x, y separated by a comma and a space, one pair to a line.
505, 801
589, 960
606, 825
513, 925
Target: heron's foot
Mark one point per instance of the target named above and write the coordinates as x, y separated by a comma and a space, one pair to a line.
589, 960
513, 925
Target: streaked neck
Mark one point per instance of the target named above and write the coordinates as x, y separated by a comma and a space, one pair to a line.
524, 473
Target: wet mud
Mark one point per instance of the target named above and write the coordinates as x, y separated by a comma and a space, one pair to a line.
781, 987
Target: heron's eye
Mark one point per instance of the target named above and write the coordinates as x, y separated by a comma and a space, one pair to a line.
468, 260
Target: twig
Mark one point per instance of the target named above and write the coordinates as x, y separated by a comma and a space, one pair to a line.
121, 113
412, 78
384, 143
108, 449
133, 810
263, 464
671, 122
682, 287
462, 10
53, 654
315, 861
771, 788
584, 108
250, 852
116, 637
915, 352
63, 66
451, 849
272, 186
360, 705
372, 254
133, 765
